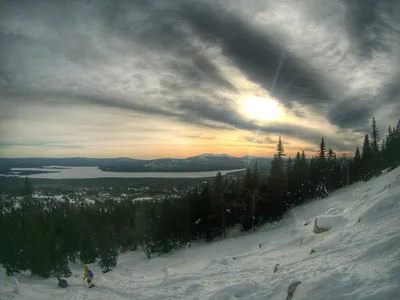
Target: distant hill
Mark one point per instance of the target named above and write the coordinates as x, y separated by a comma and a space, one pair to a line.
203, 162
210, 155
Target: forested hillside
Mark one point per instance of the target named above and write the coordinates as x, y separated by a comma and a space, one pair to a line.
45, 236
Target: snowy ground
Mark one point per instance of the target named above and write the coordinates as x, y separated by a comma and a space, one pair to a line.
358, 259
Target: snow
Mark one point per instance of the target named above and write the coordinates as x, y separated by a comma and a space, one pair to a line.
211, 155
331, 221
143, 198
357, 259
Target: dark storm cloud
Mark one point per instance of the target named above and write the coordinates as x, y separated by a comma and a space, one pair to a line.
161, 28
57, 97
164, 29
369, 21
191, 114
352, 113
361, 16
373, 27
138, 27
356, 113
154, 58
263, 58
392, 91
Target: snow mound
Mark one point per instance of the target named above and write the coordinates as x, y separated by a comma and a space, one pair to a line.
234, 232
343, 286
377, 211
224, 261
332, 241
334, 286
330, 222
194, 288
387, 248
241, 290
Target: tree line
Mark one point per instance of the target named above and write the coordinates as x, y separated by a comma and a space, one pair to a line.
45, 236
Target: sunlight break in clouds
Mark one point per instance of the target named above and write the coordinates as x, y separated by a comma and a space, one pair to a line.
261, 108
170, 78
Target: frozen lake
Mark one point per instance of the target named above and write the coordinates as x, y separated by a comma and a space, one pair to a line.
60, 172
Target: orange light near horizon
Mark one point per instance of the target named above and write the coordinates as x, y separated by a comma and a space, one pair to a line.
261, 109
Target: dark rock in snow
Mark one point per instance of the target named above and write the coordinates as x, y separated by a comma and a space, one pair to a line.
276, 268
317, 229
291, 289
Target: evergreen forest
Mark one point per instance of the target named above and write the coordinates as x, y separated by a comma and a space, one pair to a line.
45, 237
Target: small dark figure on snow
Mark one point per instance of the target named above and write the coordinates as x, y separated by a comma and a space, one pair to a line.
62, 283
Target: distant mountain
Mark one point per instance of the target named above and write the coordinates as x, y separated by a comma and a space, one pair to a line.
210, 155
203, 162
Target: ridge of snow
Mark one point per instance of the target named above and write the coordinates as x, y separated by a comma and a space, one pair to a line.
357, 259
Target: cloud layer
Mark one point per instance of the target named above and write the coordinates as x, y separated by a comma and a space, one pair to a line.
114, 75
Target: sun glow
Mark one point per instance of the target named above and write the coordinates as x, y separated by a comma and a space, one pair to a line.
261, 109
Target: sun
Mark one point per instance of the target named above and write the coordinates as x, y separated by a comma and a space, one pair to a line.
261, 109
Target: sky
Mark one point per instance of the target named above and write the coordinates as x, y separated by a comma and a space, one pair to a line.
150, 79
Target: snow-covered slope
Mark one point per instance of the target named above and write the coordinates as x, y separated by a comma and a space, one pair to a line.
357, 259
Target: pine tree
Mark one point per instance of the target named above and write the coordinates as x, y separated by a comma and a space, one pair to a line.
358, 165
107, 246
384, 155
322, 152
374, 138
295, 180
303, 178
321, 179
248, 179
367, 167
389, 147
291, 181
108, 259
375, 163
219, 203
145, 231
254, 193
322, 161
277, 181
256, 175
277, 170
251, 195
344, 168
304, 166
280, 150
289, 165
27, 194
332, 171
396, 146
12, 254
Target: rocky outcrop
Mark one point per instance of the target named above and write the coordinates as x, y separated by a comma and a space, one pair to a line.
317, 229
276, 268
291, 289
